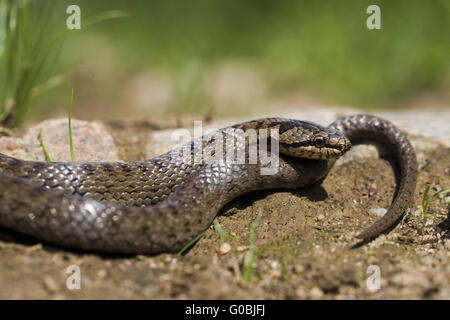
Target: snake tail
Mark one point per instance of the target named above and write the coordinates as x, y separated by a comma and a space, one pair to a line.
396, 148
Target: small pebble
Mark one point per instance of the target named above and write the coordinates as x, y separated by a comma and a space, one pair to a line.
275, 274
301, 294
101, 273
241, 248
379, 211
316, 293
373, 190
299, 269
224, 248
274, 265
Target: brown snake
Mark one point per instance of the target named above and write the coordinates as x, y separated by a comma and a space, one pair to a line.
160, 204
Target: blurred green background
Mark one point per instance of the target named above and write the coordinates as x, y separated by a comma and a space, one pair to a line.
236, 57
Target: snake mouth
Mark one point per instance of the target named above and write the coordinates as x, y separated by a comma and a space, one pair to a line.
321, 148
314, 152
339, 143
331, 152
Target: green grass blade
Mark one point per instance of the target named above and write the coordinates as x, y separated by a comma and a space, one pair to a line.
221, 232
112, 14
190, 244
438, 193
250, 257
72, 154
425, 197
426, 201
47, 85
41, 140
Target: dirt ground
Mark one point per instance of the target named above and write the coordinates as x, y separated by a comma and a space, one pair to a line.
302, 247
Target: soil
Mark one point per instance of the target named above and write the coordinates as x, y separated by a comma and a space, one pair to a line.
304, 246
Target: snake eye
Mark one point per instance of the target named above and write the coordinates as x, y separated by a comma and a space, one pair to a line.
319, 141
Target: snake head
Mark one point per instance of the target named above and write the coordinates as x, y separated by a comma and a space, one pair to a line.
312, 141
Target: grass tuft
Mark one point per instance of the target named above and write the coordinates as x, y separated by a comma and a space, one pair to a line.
221, 232
224, 236
28, 46
31, 40
426, 202
250, 257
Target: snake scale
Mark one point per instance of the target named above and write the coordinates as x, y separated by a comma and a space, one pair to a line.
160, 204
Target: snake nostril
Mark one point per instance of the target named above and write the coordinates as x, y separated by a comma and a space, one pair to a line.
344, 144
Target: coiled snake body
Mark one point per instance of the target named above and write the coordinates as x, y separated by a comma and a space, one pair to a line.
160, 204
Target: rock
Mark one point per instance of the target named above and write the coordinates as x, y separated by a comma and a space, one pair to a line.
422, 123
91, 141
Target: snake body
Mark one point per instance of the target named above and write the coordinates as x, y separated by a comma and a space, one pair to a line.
160, 204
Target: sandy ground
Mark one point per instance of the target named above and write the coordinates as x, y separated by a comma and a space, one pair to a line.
302, 245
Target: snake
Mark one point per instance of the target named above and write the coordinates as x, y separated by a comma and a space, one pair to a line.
163, 203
